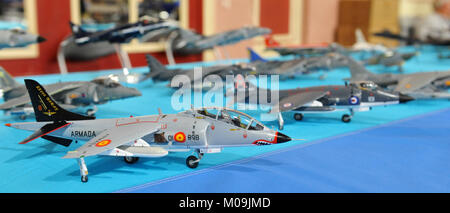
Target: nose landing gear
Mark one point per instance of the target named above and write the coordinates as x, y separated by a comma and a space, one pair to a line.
192, 161
346, 118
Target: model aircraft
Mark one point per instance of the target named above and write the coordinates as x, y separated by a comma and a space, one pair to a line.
188, 42
390, 58
291, 68
159, 72
362, 44
357, 96
422, 85
18, 38
206, 130
69, 94
121, 34
304, 50
410, 39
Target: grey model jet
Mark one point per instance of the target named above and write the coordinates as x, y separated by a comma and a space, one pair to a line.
121, 34
18, 38
299, 66
159, 72
206, 130
390, 58
310, 51
421, 85
69, 94
358, 96
188, 42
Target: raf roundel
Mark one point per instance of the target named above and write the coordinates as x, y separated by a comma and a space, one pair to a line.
180, 137
103, 143
353, 100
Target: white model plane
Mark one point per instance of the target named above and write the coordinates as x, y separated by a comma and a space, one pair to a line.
203, 130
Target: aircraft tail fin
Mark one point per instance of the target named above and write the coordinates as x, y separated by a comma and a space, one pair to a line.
155, 67
270, 41
246, 89
357, 69
255, 56
360, 36
45, 108
77, 30
6, 80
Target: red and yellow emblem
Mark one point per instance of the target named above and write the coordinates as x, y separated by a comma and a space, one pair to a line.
103, 143
180, 137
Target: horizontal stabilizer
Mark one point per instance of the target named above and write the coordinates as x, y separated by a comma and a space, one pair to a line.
46, 129
57, 140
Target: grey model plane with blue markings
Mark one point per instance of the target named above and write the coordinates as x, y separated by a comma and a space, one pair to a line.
421, 85
357, 96
70, 95
204, 130
17, 37
120, 34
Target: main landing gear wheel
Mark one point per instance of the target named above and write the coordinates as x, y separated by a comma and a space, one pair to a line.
298, 116
84, 179
346, 118
130, 160
192, 162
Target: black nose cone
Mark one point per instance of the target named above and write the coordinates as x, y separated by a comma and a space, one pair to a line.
41, 39
282, 138
404, 98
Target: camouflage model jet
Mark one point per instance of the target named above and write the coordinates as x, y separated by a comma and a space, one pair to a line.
69, 94
423, 85
188, 42
203, 130
18, 38
121, 34
358, 96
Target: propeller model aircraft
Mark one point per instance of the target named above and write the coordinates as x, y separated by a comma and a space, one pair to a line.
70, 94
358, 96
206, 130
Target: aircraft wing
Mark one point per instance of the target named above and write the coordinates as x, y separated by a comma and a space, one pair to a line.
114, 137
295, 101
24, 99
414, 82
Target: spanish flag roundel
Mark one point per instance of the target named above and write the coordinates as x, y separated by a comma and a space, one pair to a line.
103, 143
180, 137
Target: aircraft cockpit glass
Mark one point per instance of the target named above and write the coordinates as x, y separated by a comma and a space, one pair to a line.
232, 117
368, 85
107, 82
18, 31
212, 113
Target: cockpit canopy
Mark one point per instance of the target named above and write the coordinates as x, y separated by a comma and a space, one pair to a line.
18, 31
107, 82
368, 85
233, 117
